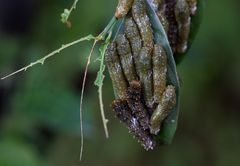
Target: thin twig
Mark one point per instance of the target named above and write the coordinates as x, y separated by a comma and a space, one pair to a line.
42, 60
104, 120
99, 82
72, 7
82, 92
100, 37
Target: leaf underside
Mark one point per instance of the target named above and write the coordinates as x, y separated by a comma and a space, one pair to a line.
169, 125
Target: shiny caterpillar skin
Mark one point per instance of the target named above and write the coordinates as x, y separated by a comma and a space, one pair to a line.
138, 69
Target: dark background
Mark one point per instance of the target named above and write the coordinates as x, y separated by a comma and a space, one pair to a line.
39, 109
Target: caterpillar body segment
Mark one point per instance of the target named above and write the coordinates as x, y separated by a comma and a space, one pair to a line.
168, 102
126, 57
137, 106
143, 23
192, 6
133, 35
115, 70
182, 14
123, 7
124, 114
146, 75
159, 61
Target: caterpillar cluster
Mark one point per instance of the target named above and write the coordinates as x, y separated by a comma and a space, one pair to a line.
175, 15
138, 70
176, 18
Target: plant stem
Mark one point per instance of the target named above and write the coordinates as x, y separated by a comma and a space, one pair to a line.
42, 60
82, 92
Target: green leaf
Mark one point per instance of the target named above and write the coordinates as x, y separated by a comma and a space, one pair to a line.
169, 125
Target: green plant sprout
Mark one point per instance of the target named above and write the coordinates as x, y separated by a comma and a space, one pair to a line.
67, 12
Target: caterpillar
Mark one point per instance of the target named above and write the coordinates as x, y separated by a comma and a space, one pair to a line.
123, 8
146, 75
115, 70
123, 113
172, 32
143, 62
158, 4
133, 35
143, 23
175, 16
159, 61
159, 7
135, 40
126, 58
192, 6
167, 103
163, 20
182, 14
135, 103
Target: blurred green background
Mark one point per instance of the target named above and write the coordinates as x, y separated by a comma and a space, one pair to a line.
39, 109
